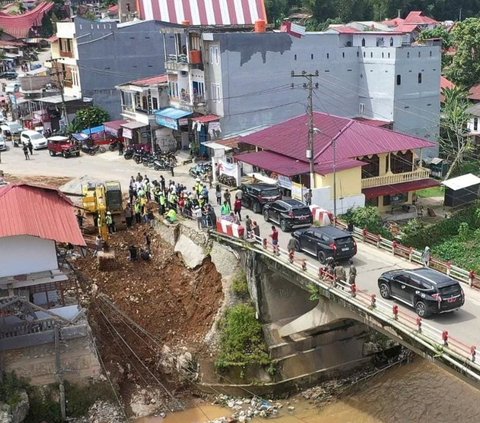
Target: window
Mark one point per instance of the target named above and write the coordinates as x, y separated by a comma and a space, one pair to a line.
294, 57
391, 41
358, 54
383, 55
372, 168
399, 79
363, 42
388, 55
475, 124
430, 53
214, 55
364, 54
328, 56
401, 162
343, 55
311, 56
408, 55
371, 54
386, 200
419, 77
154, 103
215, 88
419, 54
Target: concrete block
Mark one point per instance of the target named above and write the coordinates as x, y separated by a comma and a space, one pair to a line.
192, 254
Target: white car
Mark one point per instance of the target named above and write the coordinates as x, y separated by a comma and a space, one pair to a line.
3, 144
38, 140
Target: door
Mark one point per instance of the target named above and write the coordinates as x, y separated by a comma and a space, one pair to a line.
275, 211
307, 241
405, 288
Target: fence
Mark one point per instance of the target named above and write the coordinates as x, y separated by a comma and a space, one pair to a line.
438, 342
411, 254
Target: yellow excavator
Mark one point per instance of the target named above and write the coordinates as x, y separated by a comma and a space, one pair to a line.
100, 198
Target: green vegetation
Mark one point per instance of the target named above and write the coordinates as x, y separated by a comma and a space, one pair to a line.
88, 118
349, 10
241, 342
367, 218
431, 192
240, 285
10, 385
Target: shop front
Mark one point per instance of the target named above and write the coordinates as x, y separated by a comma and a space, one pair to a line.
176, 120
136, 133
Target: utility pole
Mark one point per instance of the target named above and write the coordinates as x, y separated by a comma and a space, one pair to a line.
311, 129
60, 84
59, 372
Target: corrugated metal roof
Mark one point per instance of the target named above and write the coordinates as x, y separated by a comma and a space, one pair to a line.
204, 12
353, 139
38, 211
151, 80
206, 118
399, 188
461, 182
417, 17
19, 26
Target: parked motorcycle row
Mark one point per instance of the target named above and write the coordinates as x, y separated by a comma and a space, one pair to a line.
158, 160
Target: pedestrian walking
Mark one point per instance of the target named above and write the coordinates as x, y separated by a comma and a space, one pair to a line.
274, 236
227, 196
110, 223
248, 226
80, 218
197, 215
426, 256
172, 171
162, 182
218, 194
292, 246
237, 208
210, 179
255, 229
30, 147
98, 245
308, 197
352, 273
226, 209
128, 215
340, 275
25, 151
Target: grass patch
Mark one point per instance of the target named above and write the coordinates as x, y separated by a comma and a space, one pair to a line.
438, 191
241, 341
240, 285
10, 387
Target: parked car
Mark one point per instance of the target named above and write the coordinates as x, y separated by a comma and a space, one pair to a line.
326, 241
9, 75
426, 290
255, 196
289, 214
63, 146
3, 144
38, 140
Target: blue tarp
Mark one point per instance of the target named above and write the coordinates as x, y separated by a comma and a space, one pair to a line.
169, 117
94, 130
80, 137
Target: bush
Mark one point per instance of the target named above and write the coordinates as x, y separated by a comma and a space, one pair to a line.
241, 341
367, 218
10, 385
240, 285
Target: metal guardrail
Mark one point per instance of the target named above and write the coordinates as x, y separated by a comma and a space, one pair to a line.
440, 343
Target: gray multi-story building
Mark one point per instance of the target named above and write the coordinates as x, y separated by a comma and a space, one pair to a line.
96, 56
245, 78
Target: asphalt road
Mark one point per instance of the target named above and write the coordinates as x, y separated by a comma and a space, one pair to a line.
370, 262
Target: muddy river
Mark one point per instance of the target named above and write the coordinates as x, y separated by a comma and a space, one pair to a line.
417, 392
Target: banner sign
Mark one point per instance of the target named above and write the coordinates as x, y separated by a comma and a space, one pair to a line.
297, 191
166, 121
284, 182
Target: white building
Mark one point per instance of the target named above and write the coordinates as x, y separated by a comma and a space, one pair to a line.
244, 78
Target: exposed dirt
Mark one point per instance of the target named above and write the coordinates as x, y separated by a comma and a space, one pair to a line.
48, 181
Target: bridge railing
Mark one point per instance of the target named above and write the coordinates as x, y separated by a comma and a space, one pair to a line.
411, 254
439, 341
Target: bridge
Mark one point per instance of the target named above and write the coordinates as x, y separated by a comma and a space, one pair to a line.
448, 341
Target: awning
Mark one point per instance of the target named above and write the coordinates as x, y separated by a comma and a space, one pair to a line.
94, 130
133, 125
274, 162
114, 125
169, 117
206, 118
216, 146
399, 188
56, 99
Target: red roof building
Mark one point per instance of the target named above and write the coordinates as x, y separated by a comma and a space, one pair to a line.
352, 139
151, 80
474, 93
204, 12
19, 26
444, 85
40, 212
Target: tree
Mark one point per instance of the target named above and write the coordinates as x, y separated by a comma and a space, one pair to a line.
454, 141
465, 67
89, 117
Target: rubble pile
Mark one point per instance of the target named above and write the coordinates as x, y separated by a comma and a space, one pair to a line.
103, 412
245, 409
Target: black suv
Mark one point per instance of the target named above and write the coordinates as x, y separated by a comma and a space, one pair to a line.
255, 196
426, 290
288, 214
326, 241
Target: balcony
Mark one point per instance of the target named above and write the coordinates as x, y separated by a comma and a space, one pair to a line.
66, 53
176, 62
395, 178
